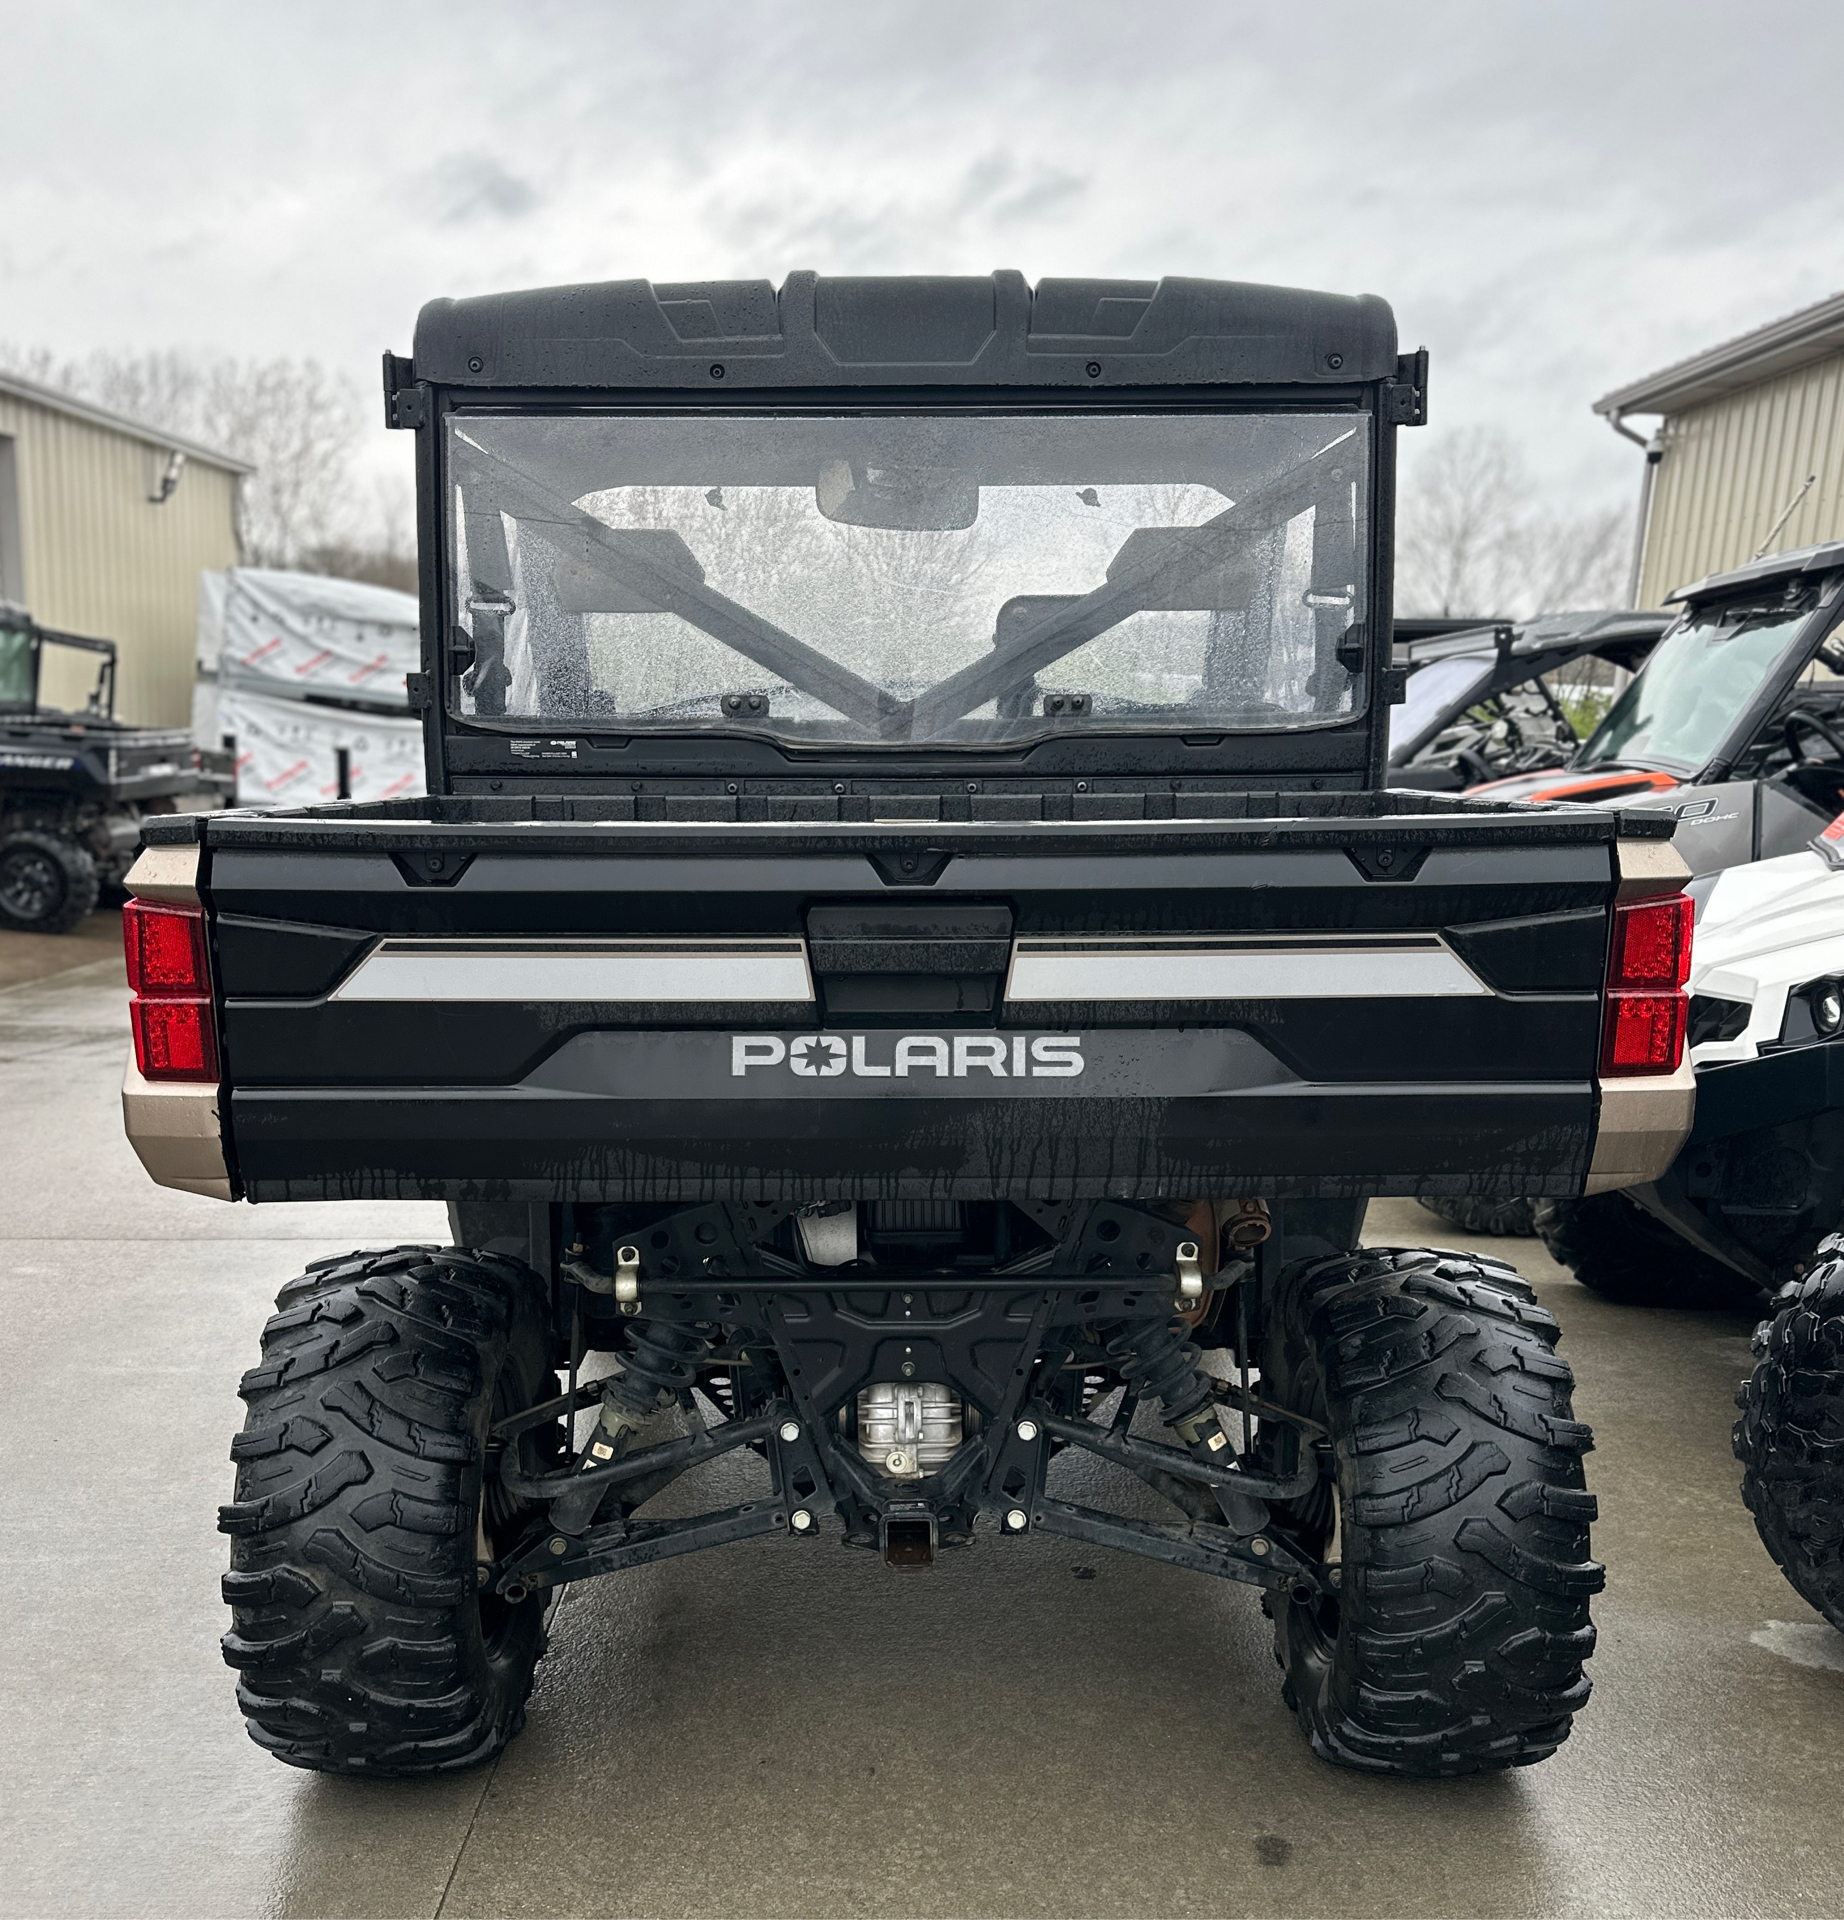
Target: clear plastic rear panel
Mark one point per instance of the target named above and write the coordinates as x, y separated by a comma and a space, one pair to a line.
950, 578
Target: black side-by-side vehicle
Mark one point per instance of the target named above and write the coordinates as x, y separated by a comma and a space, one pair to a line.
75, 787
908, 966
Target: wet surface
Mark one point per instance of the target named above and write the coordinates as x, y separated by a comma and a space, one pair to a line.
785, 1727
37, 956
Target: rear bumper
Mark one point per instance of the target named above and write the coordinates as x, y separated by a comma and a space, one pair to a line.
1295, 1140
1643, 1124
1739, 1096
175, 1132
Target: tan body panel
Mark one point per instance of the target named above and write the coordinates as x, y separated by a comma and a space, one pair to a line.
174, 1128
1644, 1121
1643, 1127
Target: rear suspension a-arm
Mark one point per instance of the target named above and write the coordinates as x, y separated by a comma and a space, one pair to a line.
1124, 1450
553, 1558
671, 1456
1261, 1561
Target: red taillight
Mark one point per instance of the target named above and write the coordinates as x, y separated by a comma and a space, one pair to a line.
170, 976
1651, 944
1644, 1033
1642, 1030
165, 949
173, 1039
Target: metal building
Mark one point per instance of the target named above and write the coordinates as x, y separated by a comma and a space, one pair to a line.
105, 526
1748, 454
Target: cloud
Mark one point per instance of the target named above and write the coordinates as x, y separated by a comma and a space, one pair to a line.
467, 187
1556, 195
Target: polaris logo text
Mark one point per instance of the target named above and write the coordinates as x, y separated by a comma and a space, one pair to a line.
830, 1056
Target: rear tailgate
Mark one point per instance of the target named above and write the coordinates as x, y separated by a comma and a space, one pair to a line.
496, 1006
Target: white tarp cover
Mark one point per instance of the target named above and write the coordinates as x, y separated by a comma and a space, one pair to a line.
287, 750
317, 636
281, 657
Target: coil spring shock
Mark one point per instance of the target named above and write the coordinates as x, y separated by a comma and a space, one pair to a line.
660, 1364
1159, 1358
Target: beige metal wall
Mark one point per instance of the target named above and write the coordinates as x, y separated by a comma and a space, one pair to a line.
1731, 466
99, 558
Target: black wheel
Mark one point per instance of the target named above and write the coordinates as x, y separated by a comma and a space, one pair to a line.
1790, 1438
361, 1637
1513, 1218
47, 883
1618, 1250
1456, 1530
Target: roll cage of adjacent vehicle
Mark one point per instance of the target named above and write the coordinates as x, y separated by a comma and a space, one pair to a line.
908, 970
1482, 703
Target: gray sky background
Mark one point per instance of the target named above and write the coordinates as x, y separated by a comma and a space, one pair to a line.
1555, 197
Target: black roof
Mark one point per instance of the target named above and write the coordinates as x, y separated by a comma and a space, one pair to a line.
1826, 557
829, 331
1609, 632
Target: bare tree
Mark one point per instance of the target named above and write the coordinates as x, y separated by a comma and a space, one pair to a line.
295, 421
1471, 539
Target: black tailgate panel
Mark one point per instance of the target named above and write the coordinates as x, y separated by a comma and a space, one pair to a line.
1352, 1094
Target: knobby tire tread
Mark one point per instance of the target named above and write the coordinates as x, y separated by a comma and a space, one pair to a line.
358, 1635
1618, 1250
1790, 1437
76, 865
1457, 1638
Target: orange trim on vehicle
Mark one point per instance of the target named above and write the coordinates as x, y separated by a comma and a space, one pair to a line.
1608, 783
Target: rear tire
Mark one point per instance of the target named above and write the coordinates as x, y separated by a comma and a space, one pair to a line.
1790, 1438
47, 883
1618, 1250
362, 1641
1515, 1218
1454, 1638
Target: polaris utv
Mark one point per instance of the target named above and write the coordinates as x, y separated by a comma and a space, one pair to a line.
75, 787
906, 972
1735, 723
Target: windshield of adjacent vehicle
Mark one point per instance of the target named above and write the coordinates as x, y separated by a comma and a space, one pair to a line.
1440, 690
1677, 712
903, 578
16, 666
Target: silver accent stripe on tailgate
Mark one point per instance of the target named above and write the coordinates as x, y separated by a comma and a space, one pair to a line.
1136, 968
655, 971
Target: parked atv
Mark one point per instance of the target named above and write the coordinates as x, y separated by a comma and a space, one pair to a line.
76, 787
908, 951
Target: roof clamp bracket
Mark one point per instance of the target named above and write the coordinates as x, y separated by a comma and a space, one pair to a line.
406, 399
1405, 398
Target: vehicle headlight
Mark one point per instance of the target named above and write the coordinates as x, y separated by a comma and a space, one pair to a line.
1814, 1011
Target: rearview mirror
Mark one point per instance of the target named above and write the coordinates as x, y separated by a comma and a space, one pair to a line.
905, 499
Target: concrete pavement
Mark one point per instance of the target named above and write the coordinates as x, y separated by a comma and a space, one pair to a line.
784, 1728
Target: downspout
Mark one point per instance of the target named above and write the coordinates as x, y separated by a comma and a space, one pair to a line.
1654, 452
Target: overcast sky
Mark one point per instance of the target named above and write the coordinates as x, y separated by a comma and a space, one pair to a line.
1555, 197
